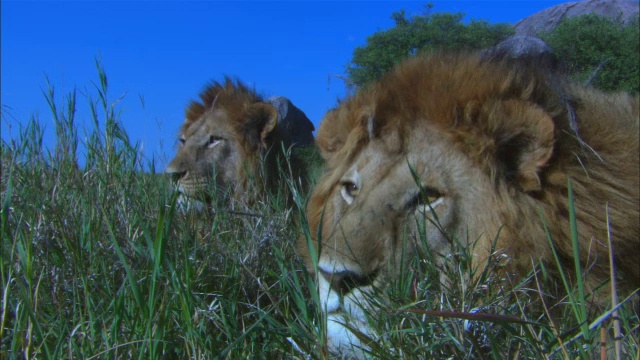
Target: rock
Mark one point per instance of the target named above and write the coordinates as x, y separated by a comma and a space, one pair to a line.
547, 19
293, 122
528, 49
524, 45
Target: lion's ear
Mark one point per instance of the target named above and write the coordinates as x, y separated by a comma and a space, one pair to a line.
263, 118
336, 127
524, 136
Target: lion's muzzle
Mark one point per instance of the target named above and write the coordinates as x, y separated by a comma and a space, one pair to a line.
343, 282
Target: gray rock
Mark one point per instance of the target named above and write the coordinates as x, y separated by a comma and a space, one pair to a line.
547, 19
295, 124
528, 49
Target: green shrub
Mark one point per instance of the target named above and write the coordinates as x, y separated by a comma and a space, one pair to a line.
386, 48
599, 50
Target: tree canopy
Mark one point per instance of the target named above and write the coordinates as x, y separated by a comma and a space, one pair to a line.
595, 49
600, 51
413, 34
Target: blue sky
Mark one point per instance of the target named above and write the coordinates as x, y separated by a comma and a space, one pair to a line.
165, 52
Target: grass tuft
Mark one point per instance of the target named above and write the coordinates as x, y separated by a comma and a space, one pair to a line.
98, 261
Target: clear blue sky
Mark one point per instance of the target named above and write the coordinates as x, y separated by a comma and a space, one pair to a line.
165, 52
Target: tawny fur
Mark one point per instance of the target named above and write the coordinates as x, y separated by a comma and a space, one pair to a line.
525, 133
252, 157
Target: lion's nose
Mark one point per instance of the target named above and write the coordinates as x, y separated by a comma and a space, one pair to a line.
175, 169
343, 282
176, 176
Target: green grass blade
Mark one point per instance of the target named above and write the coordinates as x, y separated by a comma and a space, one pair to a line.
130, 276
582, 305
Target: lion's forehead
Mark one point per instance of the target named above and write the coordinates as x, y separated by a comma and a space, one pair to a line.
215, 122
377, 174
395, 178
422, 155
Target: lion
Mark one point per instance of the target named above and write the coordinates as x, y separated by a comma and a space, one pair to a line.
484, 149
234, 141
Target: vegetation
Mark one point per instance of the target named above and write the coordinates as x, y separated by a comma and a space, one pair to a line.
596, 49
413, 34
99, 262
599, 50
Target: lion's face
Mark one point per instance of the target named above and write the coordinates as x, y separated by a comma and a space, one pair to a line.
456, 148
221, 143
376, 209
210, 154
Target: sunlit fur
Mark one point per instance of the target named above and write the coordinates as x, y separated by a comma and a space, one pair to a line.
495, 140
248, 148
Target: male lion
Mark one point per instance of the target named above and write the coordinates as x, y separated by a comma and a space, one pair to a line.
487, 148
232, 139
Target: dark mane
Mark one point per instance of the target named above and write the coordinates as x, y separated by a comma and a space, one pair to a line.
230, 93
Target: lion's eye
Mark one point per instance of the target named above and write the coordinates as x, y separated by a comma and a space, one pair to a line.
213, 141
428, 198
349, 191
182, 140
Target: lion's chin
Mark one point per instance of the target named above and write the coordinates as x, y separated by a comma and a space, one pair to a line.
187, 204
347, 325
347, 329
342, 339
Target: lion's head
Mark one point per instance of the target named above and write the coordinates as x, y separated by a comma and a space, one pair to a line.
454, 147
230, 140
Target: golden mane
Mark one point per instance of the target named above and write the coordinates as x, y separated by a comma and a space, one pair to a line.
589, 130
229, 94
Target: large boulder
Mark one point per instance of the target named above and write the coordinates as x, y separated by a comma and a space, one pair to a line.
293, 121
547, 19
528, 49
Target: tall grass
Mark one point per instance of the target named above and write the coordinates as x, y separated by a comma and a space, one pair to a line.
98, 262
